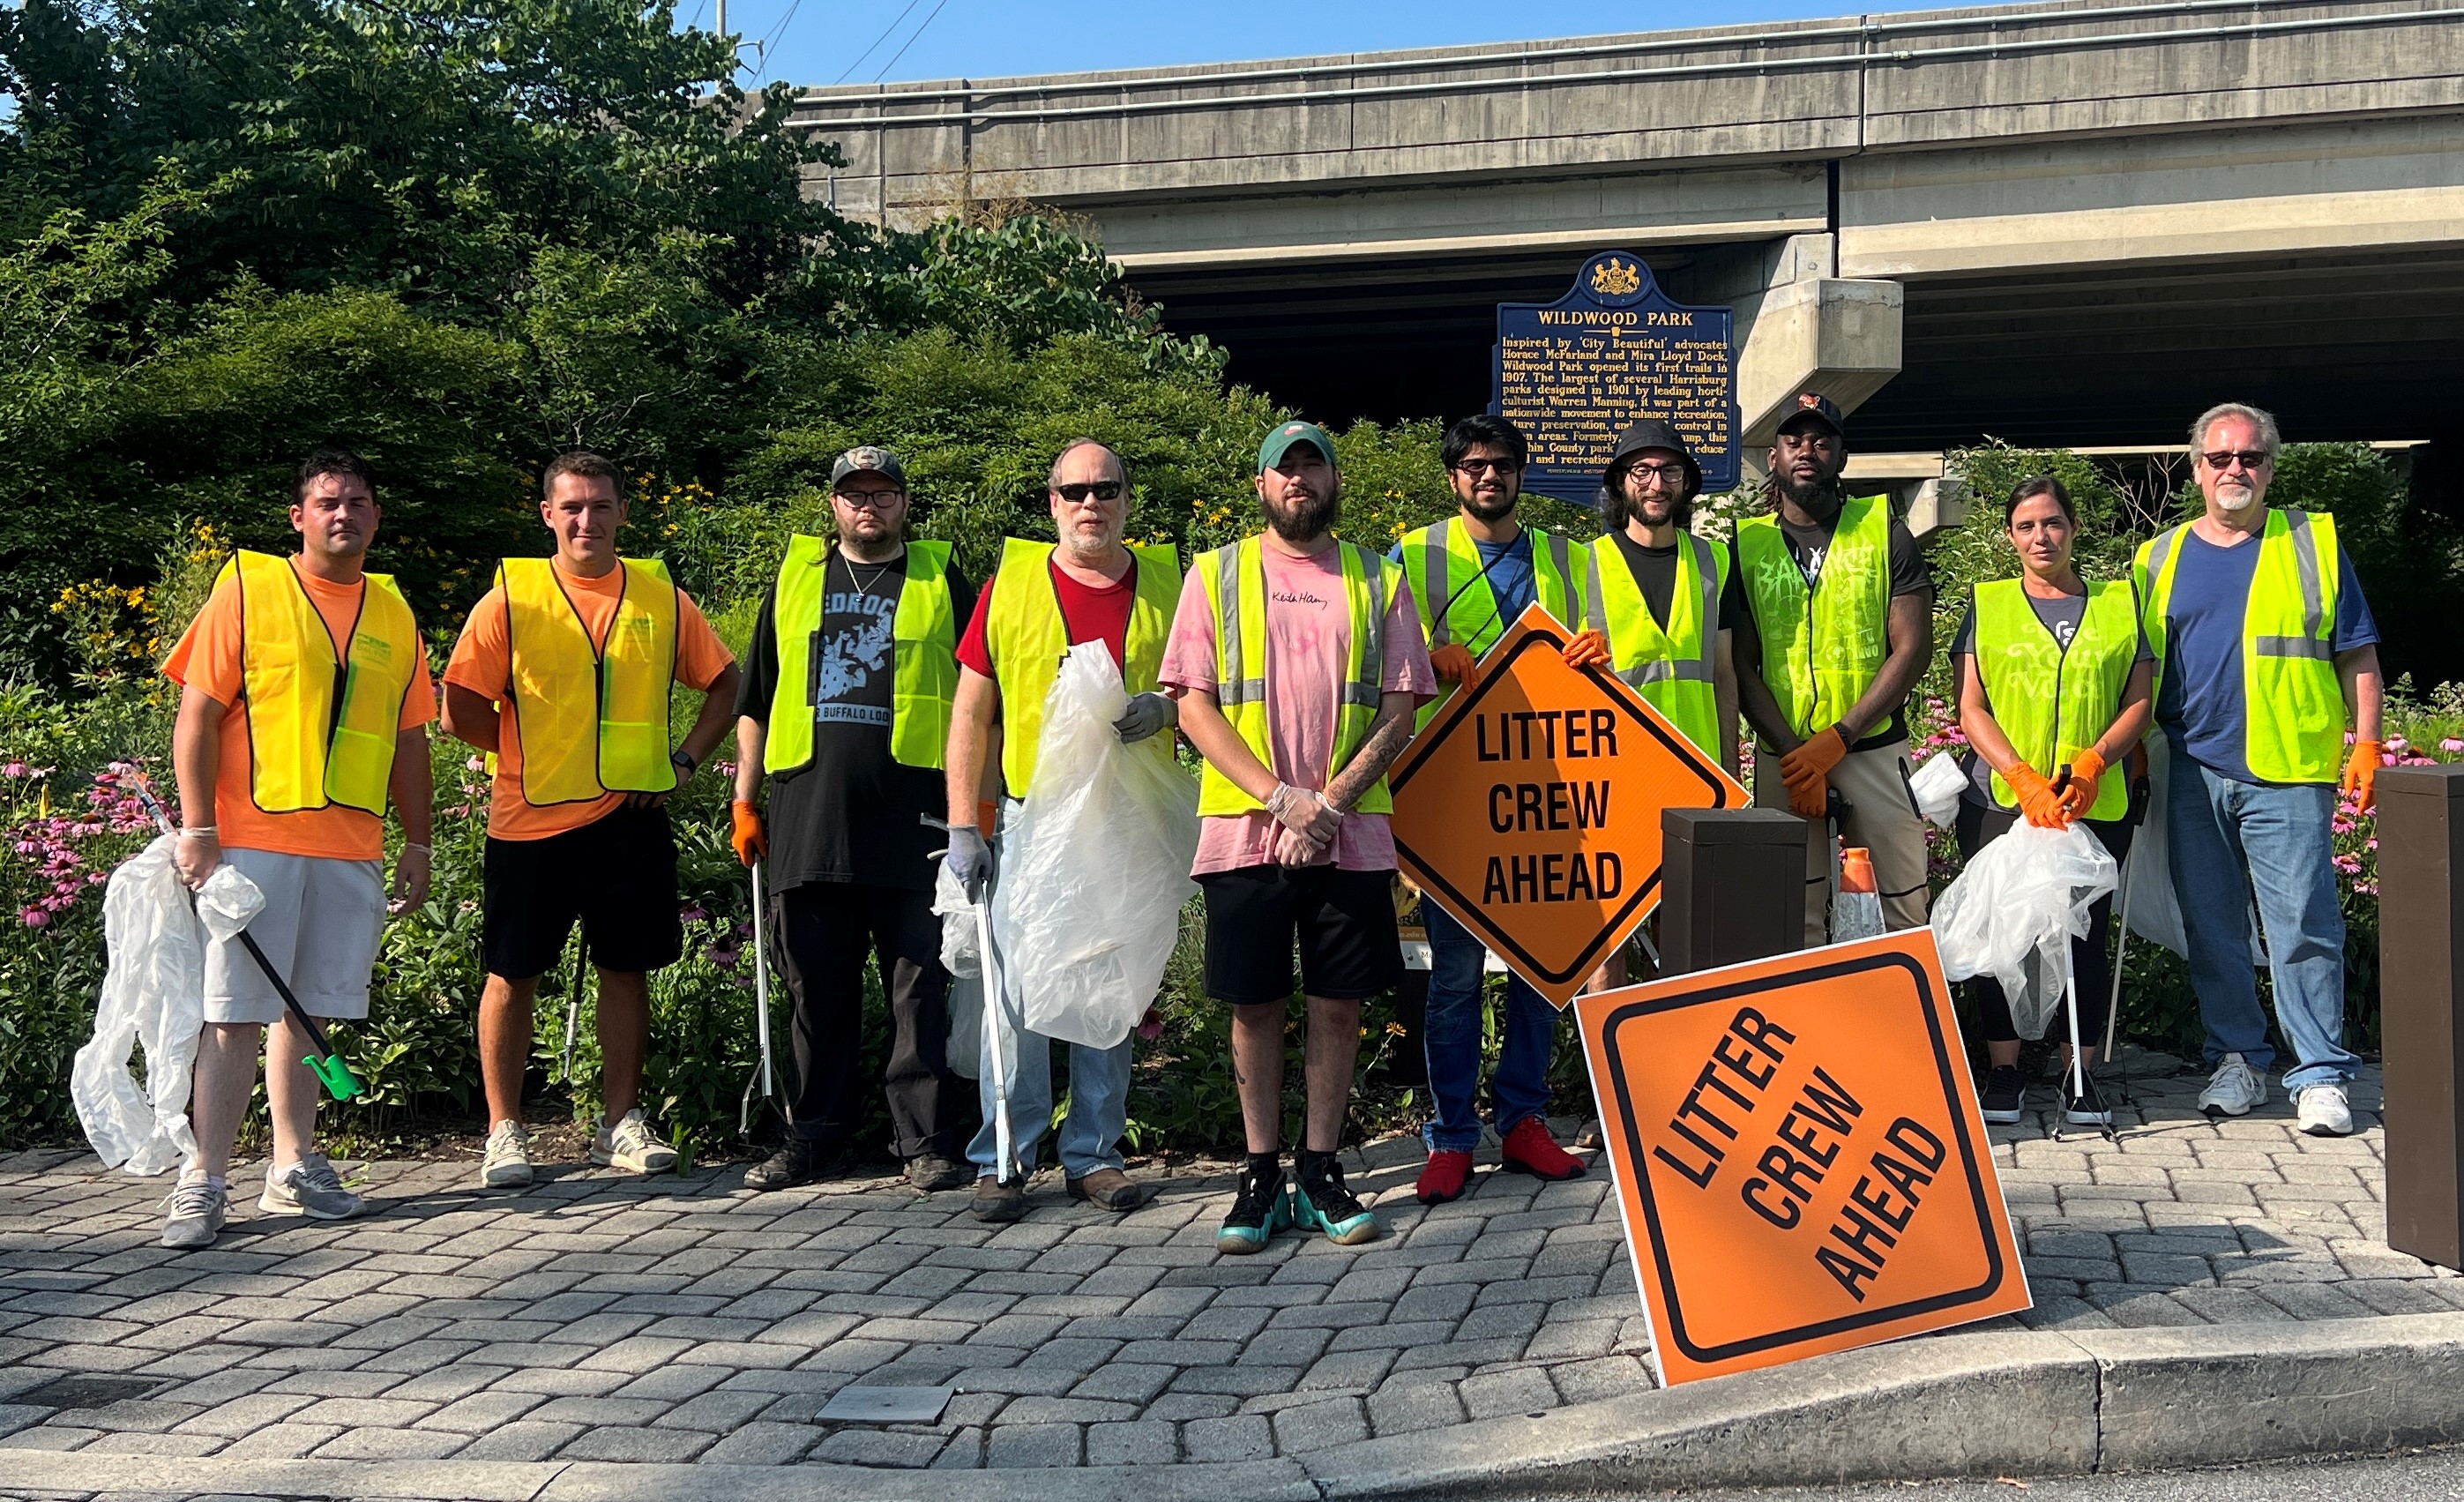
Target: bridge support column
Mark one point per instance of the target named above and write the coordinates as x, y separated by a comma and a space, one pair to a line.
1803, 328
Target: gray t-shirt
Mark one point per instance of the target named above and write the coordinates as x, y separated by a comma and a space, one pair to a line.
2061, 615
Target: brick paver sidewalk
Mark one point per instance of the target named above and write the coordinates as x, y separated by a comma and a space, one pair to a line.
607, 1318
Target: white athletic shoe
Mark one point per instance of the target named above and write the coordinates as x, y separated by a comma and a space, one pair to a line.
507, 1163
629, 1146
309, 1187
2233, 1088
2323, 1111
196, 1209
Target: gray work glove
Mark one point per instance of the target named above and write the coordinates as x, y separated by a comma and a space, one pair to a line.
1147, 714
969, 859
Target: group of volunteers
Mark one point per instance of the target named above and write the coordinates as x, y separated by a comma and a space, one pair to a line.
888, 722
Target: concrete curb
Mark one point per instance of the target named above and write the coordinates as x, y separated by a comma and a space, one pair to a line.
2035, 1404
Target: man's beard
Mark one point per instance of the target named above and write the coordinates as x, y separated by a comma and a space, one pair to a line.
1492, 508
1302, 519
1818, 496
2234, 498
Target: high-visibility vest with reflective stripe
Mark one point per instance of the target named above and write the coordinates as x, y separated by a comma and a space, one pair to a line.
593, 720
2293, 697
1236, 588
1821, 647
320, 732
923, 656
1457, 605
2053, 702
1670, 666
1027, 638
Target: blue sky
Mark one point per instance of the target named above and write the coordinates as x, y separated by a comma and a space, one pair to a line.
818, 41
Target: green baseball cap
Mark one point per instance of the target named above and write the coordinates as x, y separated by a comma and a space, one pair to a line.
1278, 442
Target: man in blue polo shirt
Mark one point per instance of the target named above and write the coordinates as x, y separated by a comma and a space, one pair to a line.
2264, 646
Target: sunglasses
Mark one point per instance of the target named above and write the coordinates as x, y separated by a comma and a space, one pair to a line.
1475, 468
1076, 493
2250, 460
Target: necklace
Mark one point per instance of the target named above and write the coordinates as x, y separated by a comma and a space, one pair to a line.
864, 588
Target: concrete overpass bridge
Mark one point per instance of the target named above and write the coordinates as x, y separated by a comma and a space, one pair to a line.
2075, 222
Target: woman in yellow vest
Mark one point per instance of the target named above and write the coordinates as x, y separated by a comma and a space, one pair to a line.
2054, 682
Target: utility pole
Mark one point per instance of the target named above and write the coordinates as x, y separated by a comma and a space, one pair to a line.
722, 17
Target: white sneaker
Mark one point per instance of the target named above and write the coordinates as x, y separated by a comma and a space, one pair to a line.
2323, 1111
2233, 1088
629, 1146
196, 1209
309, 1187
507, 1163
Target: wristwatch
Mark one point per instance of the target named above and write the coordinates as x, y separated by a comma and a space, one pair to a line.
683, 760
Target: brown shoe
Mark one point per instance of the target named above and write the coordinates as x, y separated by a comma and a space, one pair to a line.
930, 1171
999, 1203
1108, 1189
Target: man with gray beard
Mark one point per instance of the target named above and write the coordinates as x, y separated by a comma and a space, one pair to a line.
1297, 661
1838, 629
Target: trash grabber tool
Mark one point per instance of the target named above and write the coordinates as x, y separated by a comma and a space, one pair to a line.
761, 1075
1006, 1158
573, 1007
325, 1064
2121, 947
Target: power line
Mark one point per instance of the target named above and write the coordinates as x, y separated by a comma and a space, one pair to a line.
878, 40
910, 41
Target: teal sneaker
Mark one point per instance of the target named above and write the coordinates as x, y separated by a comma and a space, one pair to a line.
1259, 1210
1320, 1201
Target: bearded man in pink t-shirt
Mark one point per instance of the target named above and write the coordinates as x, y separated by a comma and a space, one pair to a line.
1298, 662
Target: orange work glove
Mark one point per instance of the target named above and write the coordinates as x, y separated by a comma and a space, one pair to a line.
2362, 775
2079, 795
1588, 650
751, 840
1455, 664
1813, 760
2039, 803
1810, 798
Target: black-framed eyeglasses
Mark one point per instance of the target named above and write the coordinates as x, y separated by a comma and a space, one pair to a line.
1077, 491
871, 500
1474, 469
1671, 475
2249, 459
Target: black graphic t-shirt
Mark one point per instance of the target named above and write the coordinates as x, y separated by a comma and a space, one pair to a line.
855, 814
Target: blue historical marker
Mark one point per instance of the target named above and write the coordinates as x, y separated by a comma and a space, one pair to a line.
1574, 373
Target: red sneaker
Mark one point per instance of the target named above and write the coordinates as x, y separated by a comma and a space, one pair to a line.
1530, 1149
1446, 1176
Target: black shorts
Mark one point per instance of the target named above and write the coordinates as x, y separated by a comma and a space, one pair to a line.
1344, 920
617, 874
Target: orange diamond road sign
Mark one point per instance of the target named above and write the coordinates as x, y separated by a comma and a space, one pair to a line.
1530, 806
1799, 1156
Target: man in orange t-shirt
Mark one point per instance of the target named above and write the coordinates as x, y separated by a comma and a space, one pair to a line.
582, 649
304, 821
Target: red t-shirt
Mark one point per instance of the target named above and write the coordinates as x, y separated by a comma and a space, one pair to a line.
1087, 613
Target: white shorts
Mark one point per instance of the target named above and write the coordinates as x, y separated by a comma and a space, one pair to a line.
323, 922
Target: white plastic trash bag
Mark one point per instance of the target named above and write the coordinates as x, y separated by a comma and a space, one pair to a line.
963, 956
1094, 869
2015, 908
1936, 787
153, 997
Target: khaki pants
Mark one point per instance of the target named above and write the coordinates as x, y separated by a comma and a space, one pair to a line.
1884, 820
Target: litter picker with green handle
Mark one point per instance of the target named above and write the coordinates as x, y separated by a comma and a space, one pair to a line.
328, 1066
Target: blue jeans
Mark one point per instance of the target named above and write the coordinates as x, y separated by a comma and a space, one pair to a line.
1099, 1100
2226, 837
1452, 1036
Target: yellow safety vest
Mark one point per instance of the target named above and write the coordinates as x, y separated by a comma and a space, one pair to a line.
2050, 702
1457, 605
923, 655
1821, 647
320, 732
593, 720
2294, 698
1027, 638
1672, 666
1236, 589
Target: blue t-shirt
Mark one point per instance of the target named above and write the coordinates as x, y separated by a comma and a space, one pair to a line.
1511, 584
2203, 633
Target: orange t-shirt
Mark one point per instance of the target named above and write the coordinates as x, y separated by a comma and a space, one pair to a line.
483, 663
209, 660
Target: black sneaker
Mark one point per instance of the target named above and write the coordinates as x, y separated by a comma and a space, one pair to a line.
795, 1163
1322, 1203
2086, 1108
1259, 1209
2006, 1095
